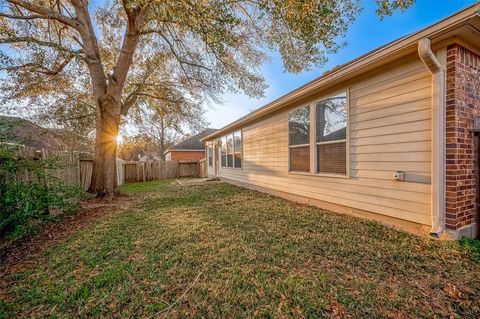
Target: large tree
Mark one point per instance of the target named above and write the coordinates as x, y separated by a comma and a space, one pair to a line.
204, 46
133, 147
165, 122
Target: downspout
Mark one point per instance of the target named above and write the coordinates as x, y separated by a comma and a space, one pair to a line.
438, 136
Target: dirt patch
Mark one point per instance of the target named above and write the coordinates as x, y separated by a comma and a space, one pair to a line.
23, 253
196, 181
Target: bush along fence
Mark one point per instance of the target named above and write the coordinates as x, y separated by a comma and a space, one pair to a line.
76, 168
67, 168
35, 185
73, 167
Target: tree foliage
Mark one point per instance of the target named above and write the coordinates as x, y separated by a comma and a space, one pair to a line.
164, 123
139, 146
109, 58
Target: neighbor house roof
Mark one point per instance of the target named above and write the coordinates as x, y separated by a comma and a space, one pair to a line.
23, 132
461, 27
193, 143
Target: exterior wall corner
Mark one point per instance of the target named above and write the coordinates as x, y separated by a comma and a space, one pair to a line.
462, 105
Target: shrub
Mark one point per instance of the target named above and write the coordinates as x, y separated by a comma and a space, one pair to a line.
26, 201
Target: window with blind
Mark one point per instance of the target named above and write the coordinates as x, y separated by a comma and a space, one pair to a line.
331, 135
299, 139
232, 150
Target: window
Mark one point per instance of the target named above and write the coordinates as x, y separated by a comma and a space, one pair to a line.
224, 151
299, 139
210, 156
331, 135
237, 149
232, 150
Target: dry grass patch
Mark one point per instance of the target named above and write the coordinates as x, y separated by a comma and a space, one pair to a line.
226, 252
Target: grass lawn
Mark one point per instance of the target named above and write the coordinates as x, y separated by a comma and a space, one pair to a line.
226, 252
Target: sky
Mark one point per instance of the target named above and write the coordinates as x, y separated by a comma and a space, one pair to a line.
365, 34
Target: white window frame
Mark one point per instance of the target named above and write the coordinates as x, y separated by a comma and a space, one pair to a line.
346, 140
232, 151
300, 145
313, 142
241, 149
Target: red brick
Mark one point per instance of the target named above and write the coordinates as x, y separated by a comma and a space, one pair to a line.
186, 155
463, 103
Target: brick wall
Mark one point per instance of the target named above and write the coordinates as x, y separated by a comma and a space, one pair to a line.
187, 155
462, 105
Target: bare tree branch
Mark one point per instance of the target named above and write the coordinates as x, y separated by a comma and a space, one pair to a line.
130, 41
54, 45
38, 68
22, 17
91, 48
46, 12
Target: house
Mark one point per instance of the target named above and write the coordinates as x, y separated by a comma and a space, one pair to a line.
20, 131
190, 149
393, 135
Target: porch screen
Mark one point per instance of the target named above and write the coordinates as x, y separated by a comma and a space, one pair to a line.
210, 156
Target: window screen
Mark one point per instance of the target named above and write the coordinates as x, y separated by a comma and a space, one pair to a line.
299, 139
331, 135
332, 158
232, 150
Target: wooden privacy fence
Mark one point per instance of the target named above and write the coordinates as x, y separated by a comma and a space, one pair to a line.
137, 171
68, 169
86, 168
75, 168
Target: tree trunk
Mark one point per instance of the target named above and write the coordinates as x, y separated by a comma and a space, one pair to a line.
104, 175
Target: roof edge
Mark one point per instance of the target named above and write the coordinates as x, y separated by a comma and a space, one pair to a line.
182, 150
343, 71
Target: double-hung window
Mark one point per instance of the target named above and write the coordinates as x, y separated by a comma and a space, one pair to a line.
232, 150
299, 139
331, 135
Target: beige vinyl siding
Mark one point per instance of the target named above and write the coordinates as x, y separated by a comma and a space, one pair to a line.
389, 130
211, 171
